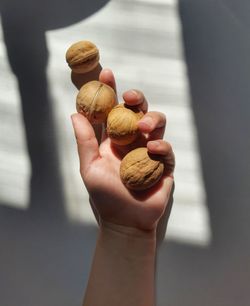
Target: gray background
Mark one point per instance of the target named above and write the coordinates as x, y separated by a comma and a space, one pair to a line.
191, 60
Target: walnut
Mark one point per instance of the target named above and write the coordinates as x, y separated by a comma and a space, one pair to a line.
140, 170
82, 56
95, 100
122, 125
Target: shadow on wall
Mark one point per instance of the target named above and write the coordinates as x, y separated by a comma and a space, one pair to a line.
41, 251
217, 48
24, 25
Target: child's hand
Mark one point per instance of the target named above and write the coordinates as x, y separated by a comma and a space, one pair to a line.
99, 167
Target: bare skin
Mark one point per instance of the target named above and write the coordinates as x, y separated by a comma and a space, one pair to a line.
123, 267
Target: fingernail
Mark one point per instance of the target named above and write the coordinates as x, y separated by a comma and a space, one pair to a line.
131, 94
147, 122
135, 93
154, 143
106, 70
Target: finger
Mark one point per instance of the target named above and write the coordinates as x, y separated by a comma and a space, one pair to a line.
163, 148
86, 141
159, 146
136, 97
106, 76
153, 123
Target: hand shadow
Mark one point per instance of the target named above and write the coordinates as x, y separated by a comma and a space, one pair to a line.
217, 48
41, 251
24, 26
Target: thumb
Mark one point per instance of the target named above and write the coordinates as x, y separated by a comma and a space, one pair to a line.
87, 144
106, 76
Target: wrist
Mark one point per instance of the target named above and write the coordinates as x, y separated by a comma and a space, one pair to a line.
127, 231
130, 242
123, 269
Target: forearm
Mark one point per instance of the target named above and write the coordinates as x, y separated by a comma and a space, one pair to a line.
123, 268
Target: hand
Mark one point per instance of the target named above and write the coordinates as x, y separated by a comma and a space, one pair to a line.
99, 168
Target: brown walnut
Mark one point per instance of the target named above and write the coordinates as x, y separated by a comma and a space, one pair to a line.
82, 56
95, 100
122, 127
140, 170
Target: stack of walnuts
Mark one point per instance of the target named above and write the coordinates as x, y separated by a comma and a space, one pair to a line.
139, 170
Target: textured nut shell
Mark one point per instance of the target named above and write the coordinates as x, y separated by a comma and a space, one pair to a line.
82, 56
140, 170
122, 125
95, 100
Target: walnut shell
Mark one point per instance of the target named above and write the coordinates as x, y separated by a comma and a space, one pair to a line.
140, 170
82, 56
95, 100
122, 125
